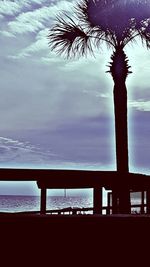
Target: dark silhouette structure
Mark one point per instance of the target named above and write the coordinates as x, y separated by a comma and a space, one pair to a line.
58, 179
116, 23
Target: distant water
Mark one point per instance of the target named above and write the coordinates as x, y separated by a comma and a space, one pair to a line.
32, 203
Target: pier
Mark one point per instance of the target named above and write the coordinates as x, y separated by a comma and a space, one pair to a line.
114, 181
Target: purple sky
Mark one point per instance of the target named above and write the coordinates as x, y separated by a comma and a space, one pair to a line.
59, 113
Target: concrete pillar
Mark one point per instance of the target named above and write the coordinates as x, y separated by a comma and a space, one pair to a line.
97, 200
43, 201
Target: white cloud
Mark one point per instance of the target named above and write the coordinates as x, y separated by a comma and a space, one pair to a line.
6, 34
35, 20
14, 151
141, 105
40, 44
12, 8
24, 24
50, 59
9, 8
139, 60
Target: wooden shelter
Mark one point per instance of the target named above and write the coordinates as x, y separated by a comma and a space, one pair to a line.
71, 179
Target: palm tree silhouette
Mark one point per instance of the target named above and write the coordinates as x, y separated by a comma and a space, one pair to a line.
116, 23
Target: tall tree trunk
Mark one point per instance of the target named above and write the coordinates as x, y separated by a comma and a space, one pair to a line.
121, 129
121, 132
119, 69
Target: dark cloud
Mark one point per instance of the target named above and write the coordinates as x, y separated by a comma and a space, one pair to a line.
14, 152
84, 142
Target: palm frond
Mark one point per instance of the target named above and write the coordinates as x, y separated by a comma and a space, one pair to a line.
81, 11
116, 22
141, 22
66, 37
145, 36
110, 17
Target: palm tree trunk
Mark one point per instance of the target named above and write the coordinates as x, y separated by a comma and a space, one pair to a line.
119, 70
121, 129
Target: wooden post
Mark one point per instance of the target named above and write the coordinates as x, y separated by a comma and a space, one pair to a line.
142, 202
124, 201
148, 200
115, 202
97, 200
109, 202
43, 201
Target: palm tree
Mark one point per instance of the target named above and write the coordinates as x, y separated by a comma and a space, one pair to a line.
115, 22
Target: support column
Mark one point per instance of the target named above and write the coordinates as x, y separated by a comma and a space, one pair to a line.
97, 200
142, 202
148, 200
109, 202
115, 202
124, 201
43, 201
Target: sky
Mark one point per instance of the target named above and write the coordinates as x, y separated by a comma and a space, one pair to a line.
58, 113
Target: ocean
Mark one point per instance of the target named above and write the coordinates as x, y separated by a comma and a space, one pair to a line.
12, 203
15, 203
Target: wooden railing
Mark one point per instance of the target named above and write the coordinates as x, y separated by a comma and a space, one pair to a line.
83, 211
80, 211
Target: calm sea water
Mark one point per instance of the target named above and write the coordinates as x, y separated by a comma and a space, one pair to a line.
32, 203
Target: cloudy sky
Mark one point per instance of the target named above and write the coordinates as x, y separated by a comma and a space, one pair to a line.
59, 113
